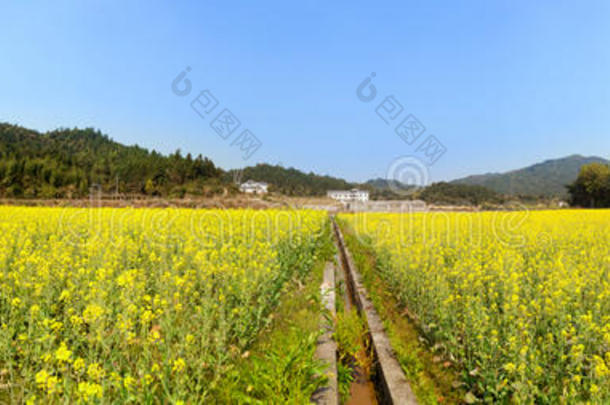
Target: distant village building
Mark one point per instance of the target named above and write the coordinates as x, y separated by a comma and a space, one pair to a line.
349, 195
254, 187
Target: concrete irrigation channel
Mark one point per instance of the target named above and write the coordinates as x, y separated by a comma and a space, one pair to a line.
387, 384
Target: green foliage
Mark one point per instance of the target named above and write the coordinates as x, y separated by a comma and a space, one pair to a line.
68, 162
293, 182
353, 350
286, 371
592, 187
345, 377
280, 366
460, 194
354, 353
351, 337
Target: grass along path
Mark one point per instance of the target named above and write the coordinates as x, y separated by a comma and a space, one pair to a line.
281, 367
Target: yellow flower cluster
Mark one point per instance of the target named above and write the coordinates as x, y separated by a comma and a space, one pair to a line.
521, 300
139, 304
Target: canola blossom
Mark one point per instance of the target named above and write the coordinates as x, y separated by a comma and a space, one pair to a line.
141, 305
519, 300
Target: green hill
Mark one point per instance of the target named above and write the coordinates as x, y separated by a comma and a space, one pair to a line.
459, 194
548, 178
67, 162
290, 181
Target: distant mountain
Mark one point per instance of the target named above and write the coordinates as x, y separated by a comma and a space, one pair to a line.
548, 178
388, 189
385, 184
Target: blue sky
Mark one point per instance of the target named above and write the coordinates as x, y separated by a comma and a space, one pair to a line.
501, 84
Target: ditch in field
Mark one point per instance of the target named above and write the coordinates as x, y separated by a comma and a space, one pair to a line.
355, 357
434, 380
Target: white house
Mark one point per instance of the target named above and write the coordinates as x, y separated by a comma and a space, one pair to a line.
254, 187
349, 195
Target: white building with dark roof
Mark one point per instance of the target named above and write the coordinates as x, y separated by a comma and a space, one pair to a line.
254, 187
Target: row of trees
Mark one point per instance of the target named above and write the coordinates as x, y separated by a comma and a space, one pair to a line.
592, 187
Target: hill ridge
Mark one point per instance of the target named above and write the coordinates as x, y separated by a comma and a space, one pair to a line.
548, 178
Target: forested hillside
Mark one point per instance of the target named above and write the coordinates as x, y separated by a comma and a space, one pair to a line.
290, 181
67, 162
460, 194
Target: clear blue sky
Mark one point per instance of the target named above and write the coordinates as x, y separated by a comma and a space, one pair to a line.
502, 84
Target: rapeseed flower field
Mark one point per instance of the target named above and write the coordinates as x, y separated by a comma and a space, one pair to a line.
139, 305
518, 301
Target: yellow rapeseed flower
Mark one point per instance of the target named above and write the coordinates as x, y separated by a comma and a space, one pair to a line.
179, 365
62, 354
